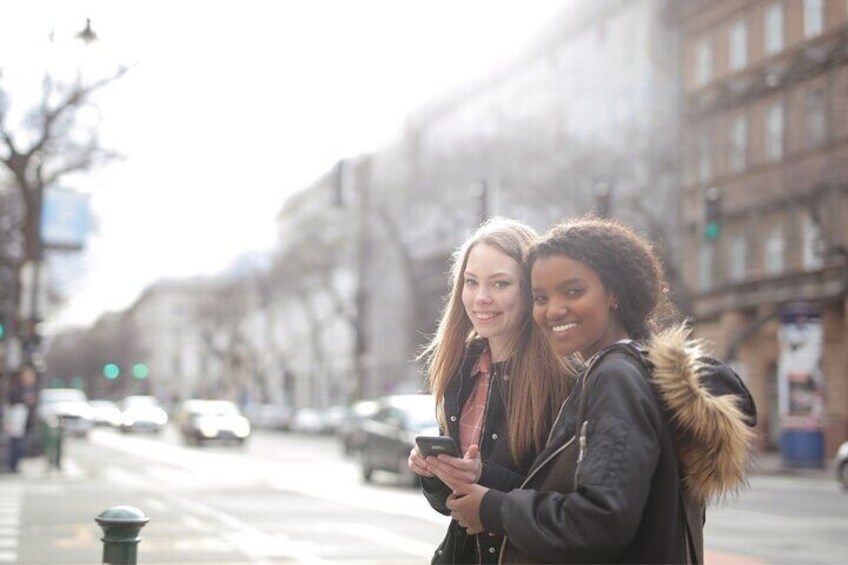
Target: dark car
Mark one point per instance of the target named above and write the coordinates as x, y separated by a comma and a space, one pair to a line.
202, 420
388, 435
842, 465
350, 429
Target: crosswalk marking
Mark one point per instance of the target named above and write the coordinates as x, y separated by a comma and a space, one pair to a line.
10, 515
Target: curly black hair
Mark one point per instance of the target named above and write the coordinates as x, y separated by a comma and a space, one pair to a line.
625, 262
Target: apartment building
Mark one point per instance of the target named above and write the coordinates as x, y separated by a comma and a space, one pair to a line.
765, 84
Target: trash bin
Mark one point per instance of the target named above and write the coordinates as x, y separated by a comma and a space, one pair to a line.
802, 449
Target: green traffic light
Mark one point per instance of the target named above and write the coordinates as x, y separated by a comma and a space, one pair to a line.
2, 331
140, 371
111, 371
712, 230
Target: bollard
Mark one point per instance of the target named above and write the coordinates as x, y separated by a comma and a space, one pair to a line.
52, 437
121, 526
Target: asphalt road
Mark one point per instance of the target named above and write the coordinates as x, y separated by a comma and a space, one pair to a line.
288, 498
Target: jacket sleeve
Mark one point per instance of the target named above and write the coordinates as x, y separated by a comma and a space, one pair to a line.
493, 476
600, 518
498, 477
436, 492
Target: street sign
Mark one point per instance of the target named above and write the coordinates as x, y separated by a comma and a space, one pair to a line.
64, 219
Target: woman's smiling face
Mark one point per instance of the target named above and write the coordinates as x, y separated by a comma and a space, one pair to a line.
572, 306
491, 294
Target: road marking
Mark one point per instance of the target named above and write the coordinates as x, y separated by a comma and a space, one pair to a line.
374, 534
10, 516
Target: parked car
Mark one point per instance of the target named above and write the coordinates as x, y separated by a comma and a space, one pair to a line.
308, 420
350, 429
141, 413
106, 413
201, 420
842, 465
67, 405
269, 416
333, 416
389, 434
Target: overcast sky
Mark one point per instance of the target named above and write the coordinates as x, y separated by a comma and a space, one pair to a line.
232, 105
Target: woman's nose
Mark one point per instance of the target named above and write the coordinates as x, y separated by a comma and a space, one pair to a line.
483, 295
556, 311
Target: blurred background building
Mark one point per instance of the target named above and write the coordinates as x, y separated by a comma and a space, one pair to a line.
766, 199
717, 128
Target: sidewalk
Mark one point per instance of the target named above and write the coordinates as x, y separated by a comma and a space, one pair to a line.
770, 463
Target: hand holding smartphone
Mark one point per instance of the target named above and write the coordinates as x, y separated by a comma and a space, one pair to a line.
437, 445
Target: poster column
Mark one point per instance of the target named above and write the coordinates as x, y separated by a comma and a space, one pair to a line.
801, 387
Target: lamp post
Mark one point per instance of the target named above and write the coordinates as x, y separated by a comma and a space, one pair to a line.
35, 252
480, 191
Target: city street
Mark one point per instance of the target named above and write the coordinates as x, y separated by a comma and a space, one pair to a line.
288, 498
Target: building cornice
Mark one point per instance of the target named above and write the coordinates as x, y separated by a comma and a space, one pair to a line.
773, 75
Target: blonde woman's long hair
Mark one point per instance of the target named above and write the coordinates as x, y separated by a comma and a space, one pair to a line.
540, 380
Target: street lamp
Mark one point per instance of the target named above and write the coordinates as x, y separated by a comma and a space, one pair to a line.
480, 191
35, 252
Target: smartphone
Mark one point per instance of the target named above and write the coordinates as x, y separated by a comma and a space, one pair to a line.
436, 445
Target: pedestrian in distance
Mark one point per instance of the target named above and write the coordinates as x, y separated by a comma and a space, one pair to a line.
652, 431
498, 382
14, 424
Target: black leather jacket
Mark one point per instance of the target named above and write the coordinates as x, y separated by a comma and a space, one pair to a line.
499, 470
613, 485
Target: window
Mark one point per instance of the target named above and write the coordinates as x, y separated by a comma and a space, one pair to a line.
774, 251
814, 113
703, 62
813, 18
705, 266
738, 252
738, 143
774, 29
738, 46
705, 159
774, 132
812, 245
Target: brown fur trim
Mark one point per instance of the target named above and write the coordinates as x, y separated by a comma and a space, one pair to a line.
713, 440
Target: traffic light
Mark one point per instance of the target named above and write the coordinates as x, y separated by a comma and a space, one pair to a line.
603, 200
140, 371
712, 213
111, 371
2, 330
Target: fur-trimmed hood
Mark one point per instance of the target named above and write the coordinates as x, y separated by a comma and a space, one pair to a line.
712, 412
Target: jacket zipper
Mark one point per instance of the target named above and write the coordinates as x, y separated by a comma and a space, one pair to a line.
492, 378
551, 456
582, 451
557, 452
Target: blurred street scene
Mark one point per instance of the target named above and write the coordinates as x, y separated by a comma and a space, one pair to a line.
258, 414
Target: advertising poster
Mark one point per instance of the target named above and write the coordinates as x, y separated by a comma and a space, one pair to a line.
800, 379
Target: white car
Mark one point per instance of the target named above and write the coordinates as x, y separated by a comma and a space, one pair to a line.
68, 407
106, 413
202, 420
142, 413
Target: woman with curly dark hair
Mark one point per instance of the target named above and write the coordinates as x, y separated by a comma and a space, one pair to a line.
651, 432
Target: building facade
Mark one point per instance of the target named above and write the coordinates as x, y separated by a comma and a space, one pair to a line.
766, 197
